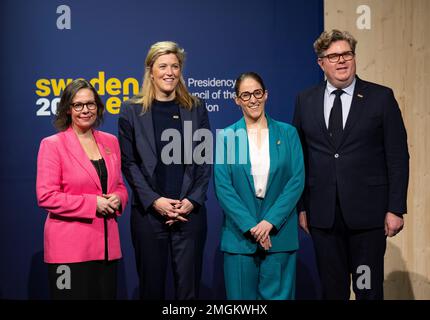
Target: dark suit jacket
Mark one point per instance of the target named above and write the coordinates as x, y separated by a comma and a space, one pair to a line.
370, 166
139, 158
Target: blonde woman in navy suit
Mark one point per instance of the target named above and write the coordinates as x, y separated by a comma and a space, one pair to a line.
168, 213
259, 176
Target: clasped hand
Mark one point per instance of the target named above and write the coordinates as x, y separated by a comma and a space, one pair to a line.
261, 234
108, 203
173, 210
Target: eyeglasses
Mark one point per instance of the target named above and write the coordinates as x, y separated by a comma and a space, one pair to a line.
335, 57
79, 106
258, 94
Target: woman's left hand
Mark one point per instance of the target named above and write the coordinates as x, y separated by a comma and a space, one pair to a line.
184, 208
266, 244
114, 200
261, 231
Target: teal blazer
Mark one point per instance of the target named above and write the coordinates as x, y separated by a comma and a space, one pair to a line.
234, 188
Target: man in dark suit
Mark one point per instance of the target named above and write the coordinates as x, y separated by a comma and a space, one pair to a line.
357, 168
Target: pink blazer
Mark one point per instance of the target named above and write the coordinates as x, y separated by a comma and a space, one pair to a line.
67, 185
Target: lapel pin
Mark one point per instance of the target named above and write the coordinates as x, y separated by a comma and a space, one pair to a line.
278, 142
359, 95
107, 151
175, 117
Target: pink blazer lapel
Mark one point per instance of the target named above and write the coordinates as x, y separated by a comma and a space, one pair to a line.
77, 152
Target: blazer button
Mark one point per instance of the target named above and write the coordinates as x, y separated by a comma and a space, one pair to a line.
336, 155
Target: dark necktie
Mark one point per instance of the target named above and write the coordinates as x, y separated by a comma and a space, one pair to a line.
335, 122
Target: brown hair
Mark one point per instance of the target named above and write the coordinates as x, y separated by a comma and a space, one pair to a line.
63, 119
327, 38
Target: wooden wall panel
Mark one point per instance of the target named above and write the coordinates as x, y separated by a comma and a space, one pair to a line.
395, 52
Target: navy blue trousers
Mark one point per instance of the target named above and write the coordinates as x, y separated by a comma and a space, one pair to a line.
343, 253
153, 241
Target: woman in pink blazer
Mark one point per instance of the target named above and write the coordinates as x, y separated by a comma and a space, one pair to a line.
79, 183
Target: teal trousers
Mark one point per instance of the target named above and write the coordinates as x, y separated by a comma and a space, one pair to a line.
260, 276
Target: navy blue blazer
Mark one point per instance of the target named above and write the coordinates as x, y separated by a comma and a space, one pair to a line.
370, 165
139, 158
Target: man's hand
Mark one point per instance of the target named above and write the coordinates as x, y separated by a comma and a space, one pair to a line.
303, 221
393, 224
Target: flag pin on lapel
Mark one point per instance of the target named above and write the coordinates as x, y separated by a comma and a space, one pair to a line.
359, 95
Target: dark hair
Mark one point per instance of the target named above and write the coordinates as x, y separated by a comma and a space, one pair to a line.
245, 75
63, 119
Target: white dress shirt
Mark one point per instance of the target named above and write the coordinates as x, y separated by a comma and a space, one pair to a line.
346, 99
260, 160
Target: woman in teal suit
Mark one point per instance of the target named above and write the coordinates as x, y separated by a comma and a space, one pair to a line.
259, 177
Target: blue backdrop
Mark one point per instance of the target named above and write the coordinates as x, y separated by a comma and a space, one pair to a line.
44, 43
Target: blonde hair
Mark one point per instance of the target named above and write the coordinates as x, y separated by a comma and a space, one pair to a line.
327, 38
146, 96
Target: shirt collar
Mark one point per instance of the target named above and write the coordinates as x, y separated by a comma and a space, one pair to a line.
349, 90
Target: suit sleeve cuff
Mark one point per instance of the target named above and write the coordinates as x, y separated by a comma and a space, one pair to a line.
195, 204
400, 215
148, 204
